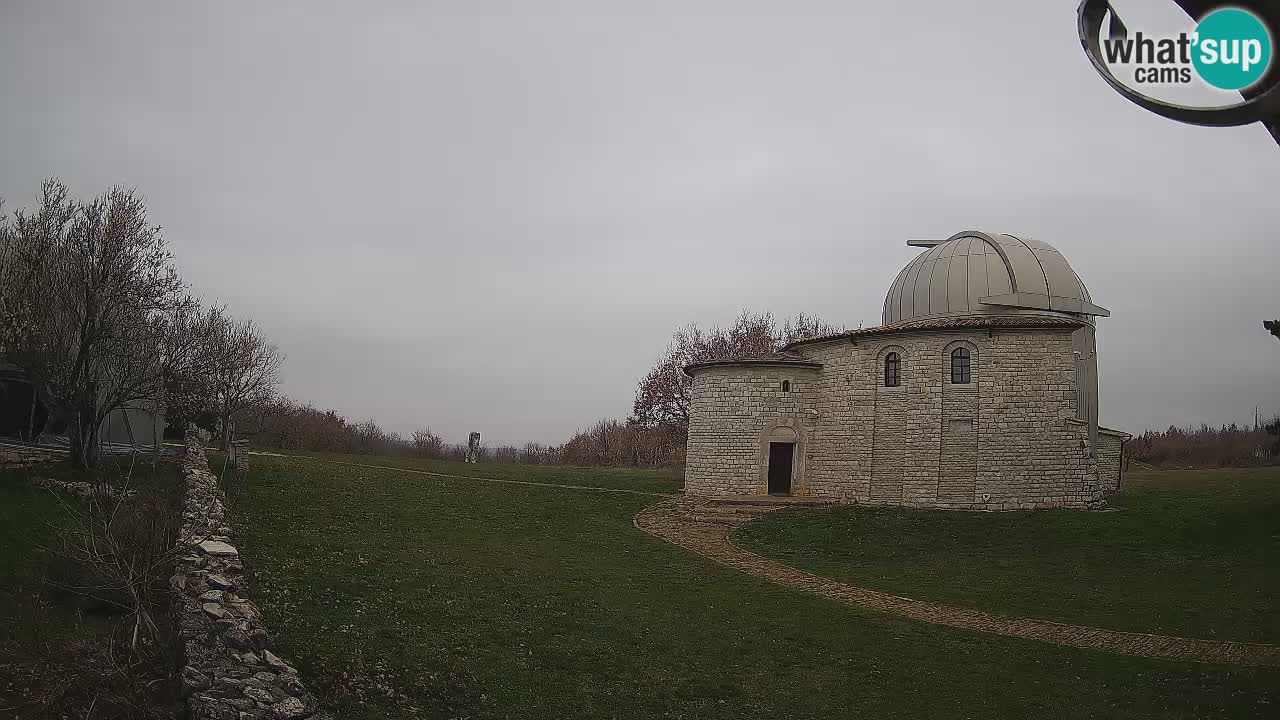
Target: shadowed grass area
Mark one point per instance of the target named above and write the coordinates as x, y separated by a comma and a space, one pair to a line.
402, 595
59, 646
1192, 553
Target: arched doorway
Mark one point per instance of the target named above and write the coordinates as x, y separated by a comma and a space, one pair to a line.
782, 455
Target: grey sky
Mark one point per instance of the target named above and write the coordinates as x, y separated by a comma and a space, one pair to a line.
494, 220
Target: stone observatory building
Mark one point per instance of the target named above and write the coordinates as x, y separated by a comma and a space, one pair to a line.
978, 392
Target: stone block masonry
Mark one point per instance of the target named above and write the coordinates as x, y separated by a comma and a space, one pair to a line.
230, 672
1010, 439
1110, 459
735, 408
240, 456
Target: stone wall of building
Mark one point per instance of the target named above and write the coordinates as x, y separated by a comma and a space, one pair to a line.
732, 410
230, 672
1110, 457
1031, 456
1001, 442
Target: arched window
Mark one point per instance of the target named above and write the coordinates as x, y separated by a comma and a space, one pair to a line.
892, 365
960, 368
786, 386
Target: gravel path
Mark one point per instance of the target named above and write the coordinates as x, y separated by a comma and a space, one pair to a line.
668, 522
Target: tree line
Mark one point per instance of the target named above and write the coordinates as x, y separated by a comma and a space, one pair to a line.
1208, 447
94, 312
653, 436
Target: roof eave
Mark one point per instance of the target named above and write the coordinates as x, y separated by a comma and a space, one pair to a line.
978, 324
691, 368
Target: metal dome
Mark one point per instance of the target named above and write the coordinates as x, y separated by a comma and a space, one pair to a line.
978, 273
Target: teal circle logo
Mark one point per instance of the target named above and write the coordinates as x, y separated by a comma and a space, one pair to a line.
1232, 49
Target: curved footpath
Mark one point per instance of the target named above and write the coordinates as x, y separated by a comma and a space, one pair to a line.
668, 521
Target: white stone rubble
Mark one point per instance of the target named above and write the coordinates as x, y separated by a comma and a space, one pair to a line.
230, 674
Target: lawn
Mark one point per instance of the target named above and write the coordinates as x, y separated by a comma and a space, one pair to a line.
1193, 553
408, 595
54, 644
656, 481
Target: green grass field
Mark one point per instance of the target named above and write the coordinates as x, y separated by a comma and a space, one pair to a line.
408, 595
1193, 553
656, 481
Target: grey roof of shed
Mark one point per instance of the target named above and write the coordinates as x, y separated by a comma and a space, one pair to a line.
981, 273
1048, 322
775, 359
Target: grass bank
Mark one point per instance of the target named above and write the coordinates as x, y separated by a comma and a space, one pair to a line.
1192, 553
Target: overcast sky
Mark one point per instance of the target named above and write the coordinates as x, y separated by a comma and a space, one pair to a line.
494, 220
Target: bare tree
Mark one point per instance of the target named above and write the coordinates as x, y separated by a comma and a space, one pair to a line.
10, 273
93, 291
192, 359
245, 372
662, 396
427, 444
534, 454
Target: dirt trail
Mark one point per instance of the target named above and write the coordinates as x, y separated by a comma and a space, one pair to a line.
669, 522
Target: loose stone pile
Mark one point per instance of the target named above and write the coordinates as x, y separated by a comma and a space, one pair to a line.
81, 489
230, 671
12, 456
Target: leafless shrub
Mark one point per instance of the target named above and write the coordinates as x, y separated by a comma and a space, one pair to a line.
617, 444
109, 555
117, 552
290, 425
662, 395
1227, 446
371, 439
427, 444
245, 370
538, 454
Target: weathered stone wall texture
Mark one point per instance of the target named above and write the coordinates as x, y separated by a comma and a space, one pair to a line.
1007, 440
230, 671
1110, 445
733, 406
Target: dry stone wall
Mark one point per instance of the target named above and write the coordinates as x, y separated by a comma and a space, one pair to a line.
1006, 441
230, 671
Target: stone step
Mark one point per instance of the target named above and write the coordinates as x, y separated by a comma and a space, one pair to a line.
718, 519
773, 501
736, 507
739, 510
721, 519
723, 513
762, 500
